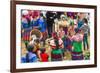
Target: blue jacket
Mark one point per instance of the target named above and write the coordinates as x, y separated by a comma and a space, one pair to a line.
42, 24
30, 57
34, 23
25, 24
80, 23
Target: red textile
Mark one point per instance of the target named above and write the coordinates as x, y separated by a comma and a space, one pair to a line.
44, 57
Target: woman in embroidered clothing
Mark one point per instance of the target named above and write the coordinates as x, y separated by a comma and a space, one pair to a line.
57, 48
77, 52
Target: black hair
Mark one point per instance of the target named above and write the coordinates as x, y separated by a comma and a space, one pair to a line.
37, 41
76, 30
30, 48
85, 20
43, 50
41, 14
56, 41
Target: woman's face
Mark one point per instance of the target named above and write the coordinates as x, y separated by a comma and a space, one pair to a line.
82, 15
61, 29
63, 18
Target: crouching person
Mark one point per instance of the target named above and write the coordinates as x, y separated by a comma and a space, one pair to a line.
30, 55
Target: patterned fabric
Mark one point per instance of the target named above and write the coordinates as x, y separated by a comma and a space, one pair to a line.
77, 37
56, 55
61, 34
53, 45
27, 28
26, 34
57, 52
77, 56
77, 47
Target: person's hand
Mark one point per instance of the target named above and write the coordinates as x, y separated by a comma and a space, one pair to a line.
23, 31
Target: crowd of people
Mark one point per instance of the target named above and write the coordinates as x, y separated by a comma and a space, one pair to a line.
54, 36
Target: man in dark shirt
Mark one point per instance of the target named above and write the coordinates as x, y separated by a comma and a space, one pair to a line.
50, 20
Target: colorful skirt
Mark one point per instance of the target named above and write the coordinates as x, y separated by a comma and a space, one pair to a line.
56, 55
26, 34
77, 56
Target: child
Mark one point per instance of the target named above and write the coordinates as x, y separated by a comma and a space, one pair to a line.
44, 56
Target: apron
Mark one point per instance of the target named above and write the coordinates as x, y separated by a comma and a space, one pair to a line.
77, 53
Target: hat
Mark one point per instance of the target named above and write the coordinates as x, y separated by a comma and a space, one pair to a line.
25, 12
63, 16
